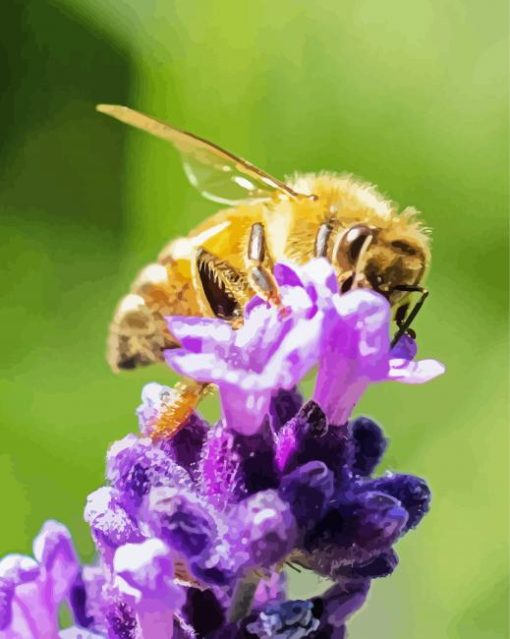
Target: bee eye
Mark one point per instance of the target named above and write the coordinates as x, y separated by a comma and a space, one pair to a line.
351, 244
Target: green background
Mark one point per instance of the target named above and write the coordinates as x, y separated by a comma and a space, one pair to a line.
409, 94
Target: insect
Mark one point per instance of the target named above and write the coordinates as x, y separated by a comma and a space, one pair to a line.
227, 259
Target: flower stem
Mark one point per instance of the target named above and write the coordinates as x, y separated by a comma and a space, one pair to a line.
242, 598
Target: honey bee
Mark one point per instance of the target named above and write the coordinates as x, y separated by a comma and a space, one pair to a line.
227, 259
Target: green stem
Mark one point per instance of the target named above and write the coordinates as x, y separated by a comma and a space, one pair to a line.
242, 598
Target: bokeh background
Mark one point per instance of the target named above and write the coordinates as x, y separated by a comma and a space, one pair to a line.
409, 94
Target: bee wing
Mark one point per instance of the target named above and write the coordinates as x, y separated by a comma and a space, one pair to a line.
218, 174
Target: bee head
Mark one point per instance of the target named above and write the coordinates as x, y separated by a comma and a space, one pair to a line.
377, 258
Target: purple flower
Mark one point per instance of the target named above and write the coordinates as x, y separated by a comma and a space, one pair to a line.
182, 520
31, 590
355, 351
262, 530
192, 532
85, 597
324, 512
145, 576
273, 349
111, 525
346, 335
135, 465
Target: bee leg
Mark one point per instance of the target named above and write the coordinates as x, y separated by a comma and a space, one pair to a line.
181, 402
225, 289
405, 320
322, 240
260, 276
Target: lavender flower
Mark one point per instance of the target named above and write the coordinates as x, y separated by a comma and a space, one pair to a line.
193, 532
271, 350
31, 590
145, 576
346, 336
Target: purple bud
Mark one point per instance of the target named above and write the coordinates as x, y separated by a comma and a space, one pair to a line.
262, 529
144, 575
181, 520
380, 566
376, 520
307, 438
257, 465
235, 465
85, 597
308, 489
405, 348
337, 604
369, 445
135, 465
356, 530
412, 492
111, 524
284, 406
32, 590
202, 611
185, 446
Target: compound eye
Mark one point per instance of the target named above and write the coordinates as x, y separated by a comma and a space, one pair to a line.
352, 243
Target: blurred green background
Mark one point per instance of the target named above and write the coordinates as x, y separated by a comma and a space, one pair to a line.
409, 94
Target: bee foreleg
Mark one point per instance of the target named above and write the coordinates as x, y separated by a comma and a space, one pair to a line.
260, 275
322, 240
405, 320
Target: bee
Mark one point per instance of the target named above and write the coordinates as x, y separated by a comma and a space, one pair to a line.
229, 258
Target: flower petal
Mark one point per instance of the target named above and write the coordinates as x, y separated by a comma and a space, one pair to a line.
197, 334
369, 445
111, 524
203, 367
402, 370
181, 520
79, 633
54, 550
244, 411
405, 348
147, 569
262, 529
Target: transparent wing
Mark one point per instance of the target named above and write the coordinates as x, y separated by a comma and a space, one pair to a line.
218, 174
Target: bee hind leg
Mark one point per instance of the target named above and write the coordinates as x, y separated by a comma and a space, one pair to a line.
177, 408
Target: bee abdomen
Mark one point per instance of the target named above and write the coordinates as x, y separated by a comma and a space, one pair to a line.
137, 335
138, 332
